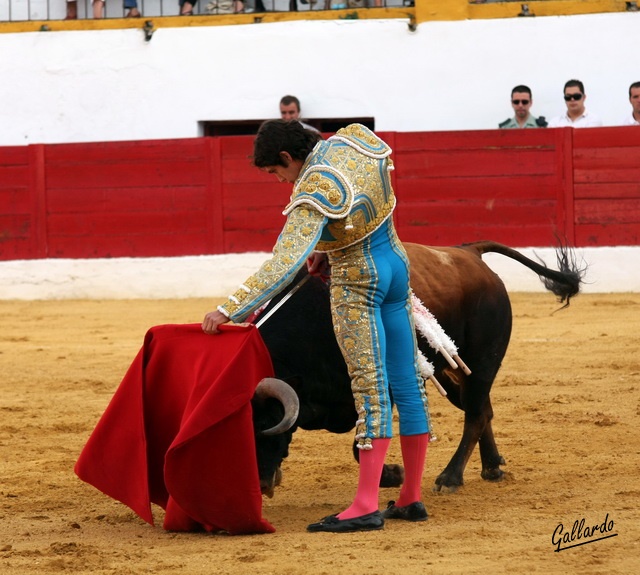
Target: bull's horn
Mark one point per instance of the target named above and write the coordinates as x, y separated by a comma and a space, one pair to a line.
285, 394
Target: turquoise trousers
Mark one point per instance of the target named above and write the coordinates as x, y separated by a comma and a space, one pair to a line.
373, 323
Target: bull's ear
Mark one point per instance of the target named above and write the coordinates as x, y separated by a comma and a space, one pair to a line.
285, 394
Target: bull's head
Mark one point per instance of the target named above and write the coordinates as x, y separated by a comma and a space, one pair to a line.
275, 411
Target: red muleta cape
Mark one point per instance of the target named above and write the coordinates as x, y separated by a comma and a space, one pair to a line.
179, 432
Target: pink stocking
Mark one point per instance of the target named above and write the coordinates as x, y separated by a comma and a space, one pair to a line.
371, 462
414, 453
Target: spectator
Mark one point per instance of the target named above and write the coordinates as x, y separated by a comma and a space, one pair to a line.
576, 115
290, 110
634, 100
132, 9
186, 7
521, 101
72, 9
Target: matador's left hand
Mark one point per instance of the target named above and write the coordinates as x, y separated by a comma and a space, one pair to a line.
318, 265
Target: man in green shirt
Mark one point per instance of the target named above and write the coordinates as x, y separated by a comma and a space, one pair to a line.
521, 101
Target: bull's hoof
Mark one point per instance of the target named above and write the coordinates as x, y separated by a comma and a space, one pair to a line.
447, 483
392, 476
444, 489
495, 474
268, 487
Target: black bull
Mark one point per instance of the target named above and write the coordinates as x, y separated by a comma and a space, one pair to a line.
471, 304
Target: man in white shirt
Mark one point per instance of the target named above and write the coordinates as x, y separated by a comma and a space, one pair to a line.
634, 99
290, 110
576, 115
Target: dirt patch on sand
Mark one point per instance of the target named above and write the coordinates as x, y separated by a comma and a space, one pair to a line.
567, 403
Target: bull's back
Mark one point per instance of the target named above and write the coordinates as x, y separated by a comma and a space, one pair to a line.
450, 276
469, 301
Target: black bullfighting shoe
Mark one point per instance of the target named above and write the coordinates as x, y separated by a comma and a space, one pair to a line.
331, 524
412, 512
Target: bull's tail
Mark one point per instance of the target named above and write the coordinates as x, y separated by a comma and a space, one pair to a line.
564, 282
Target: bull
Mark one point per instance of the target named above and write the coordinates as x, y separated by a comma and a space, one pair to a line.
471, 304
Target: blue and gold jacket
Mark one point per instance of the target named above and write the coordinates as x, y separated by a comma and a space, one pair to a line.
343, 194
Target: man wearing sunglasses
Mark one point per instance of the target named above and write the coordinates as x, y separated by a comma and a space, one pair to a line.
576, 115
521, 101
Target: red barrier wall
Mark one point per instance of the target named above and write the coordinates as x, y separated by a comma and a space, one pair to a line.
201, 195
20, 216
505, 185
606, 186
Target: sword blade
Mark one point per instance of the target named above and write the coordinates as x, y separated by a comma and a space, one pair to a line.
284, 300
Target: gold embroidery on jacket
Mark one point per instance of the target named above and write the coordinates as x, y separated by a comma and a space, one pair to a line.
295, 242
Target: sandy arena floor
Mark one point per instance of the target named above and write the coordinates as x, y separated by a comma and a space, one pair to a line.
567, 406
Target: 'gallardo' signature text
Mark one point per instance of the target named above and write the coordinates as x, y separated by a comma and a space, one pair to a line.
581, 533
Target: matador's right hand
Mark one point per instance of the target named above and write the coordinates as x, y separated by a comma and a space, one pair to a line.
212, 320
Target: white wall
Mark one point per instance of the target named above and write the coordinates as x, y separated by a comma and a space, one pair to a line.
112, 85
610, 270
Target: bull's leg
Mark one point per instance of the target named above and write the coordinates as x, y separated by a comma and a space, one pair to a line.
451, 478
472, 395
392, 474
491, 459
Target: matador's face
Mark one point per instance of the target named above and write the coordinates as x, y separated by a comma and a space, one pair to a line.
288, 173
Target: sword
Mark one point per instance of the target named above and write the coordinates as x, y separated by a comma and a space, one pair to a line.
285, 299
